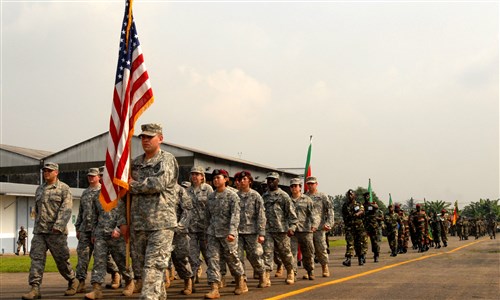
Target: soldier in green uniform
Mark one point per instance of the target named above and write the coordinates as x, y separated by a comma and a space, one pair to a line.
371, 224
352, 212
391, 220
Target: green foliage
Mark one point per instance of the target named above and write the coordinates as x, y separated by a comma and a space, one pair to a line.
20, 264
437, 206
485, 208
409, 204
338, 201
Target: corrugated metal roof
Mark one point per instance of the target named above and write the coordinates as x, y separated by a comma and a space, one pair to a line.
33, 153
28, 190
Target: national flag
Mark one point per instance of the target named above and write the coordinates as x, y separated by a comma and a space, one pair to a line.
132, 96
390, 199
307, 170
455, 214
370, 189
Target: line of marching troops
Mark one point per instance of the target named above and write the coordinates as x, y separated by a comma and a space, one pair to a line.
170, 224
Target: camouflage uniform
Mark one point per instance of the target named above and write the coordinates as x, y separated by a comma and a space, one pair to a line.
303, 236
53, 204
420, 222
104, 223
371, 226
281, 217
198, 242
21, 240
153, 218
222, 219
180, 254
322, 208
84, 227
391, 222
252, 225
354, 228
403, 232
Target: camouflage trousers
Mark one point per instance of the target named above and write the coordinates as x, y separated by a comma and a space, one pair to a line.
248, 243
84, 251
21, 243
319, 239
180, 255
57, 244
281, 242
103, 247
372, 235
153, 249
197, 245
355, 238
403, 238
304, 240
217, 247
392, 238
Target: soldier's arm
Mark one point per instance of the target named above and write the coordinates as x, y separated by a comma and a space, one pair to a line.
64, 213
165, 178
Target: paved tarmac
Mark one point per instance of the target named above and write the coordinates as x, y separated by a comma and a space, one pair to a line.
464, 270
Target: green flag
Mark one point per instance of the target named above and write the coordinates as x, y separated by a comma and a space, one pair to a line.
390, 199
370, 189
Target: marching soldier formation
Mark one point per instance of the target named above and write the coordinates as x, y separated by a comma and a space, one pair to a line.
184, 225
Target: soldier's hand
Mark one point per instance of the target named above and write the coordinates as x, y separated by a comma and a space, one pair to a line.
313, 229
125, 232
290, 232
326, 228
78, 235
261, 239
54, 230
115, 234
230, 238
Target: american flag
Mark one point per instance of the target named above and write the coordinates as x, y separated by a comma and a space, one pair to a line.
132, 95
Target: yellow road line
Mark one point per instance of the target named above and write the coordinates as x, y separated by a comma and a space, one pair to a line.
313, 287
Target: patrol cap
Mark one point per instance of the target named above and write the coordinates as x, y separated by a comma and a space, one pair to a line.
295, 181
198, 169
274, 175
311, 179
93, 172
151, 129
220, 172
186, 184
51, 166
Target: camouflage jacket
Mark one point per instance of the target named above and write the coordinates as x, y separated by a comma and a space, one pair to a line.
371, 215
104, 222
322, 207
199, 197
252, 214
152, 192
53, 205
184, 206
391, 221
280, 213
222, 214
86, 210
349, 209
307, 218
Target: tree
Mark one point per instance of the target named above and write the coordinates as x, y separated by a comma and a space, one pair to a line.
485, 208
436, 206
337, 201
409, 204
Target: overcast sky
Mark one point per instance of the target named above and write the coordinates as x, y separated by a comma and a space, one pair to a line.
405, 93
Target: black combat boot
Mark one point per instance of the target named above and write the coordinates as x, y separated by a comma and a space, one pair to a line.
375, 257
347, 261
361, 260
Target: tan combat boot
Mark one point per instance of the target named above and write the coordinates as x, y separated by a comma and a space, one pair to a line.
267, 279
96, 292
279, 271
167, 279
188, 286
241, 286
262, 280
116, 281
81, 286
290, 278
326, 272
72, 286
33, 294
222, 282
198, 275
128, 290
214, 292
138, 286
